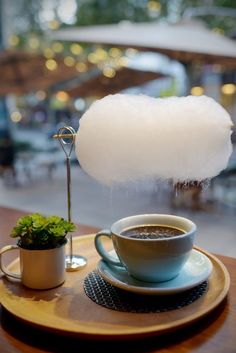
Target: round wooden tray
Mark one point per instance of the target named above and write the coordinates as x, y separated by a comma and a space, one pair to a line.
68, 310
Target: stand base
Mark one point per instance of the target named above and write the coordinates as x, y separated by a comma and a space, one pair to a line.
75, 263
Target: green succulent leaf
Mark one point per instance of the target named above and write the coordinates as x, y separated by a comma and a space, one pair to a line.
36, 231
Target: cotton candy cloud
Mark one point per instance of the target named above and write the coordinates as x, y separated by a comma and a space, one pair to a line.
125, 138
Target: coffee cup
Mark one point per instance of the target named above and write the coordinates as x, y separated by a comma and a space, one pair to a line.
151, 247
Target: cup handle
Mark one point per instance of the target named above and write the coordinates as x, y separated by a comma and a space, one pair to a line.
2, 267
101, 250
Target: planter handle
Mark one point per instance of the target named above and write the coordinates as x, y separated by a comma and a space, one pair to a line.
3, 267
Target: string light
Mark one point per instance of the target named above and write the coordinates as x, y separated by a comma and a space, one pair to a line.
54, 24
41, 95
81, 67
48, 53
154, 5
115, 52
228, 89
51, 64
76, 49
101, 54
34, 43
16, 117
79, 104
123, 61
57, 47
69, 61
197, 91
14, 40
92, 58
109, 72
131, 52
62, 96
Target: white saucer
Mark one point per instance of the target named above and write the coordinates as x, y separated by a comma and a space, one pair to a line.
195, 271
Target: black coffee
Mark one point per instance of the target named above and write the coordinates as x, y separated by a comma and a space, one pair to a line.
151, 232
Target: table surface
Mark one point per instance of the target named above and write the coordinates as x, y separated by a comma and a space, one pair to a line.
213, 333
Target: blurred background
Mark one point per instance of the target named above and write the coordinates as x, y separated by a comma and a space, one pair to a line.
58, 56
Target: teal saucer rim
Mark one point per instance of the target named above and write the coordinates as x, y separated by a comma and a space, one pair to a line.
148, 287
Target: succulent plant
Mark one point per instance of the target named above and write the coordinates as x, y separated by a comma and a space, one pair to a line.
36, 231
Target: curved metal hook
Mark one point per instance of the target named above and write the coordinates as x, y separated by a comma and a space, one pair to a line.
64, 140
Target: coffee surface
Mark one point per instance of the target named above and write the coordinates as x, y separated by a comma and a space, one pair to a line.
152, 232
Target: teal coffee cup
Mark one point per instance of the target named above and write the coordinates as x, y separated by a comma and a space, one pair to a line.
151, 247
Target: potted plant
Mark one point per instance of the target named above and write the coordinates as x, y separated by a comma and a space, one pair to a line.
38, 232
41, 241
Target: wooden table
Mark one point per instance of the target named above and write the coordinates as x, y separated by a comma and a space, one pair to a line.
212, 334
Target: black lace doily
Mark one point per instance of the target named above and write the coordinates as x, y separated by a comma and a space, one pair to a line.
103, 293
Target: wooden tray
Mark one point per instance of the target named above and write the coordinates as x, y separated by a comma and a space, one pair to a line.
68, 310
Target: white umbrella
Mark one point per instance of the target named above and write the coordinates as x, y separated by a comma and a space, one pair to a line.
184, 41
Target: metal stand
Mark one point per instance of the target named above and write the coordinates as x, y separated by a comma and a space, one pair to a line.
66, 137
